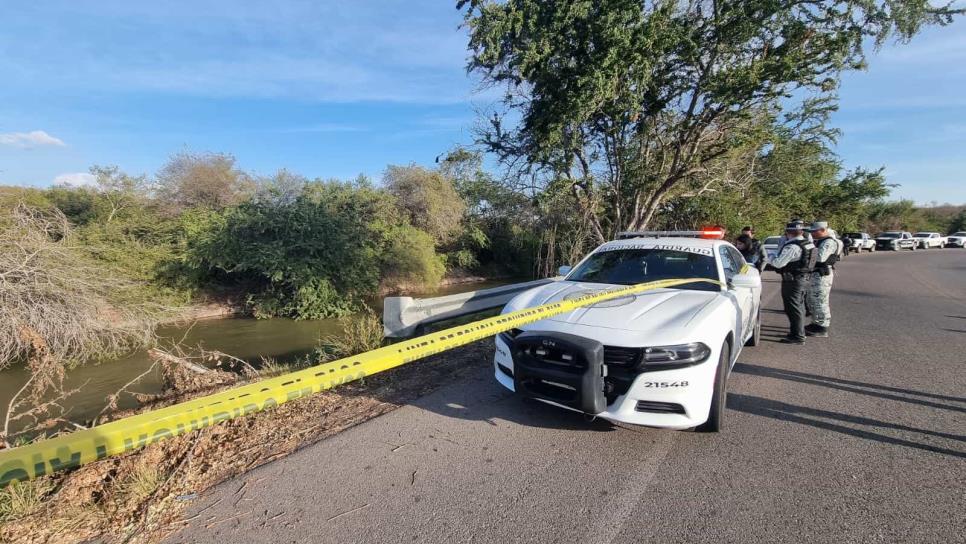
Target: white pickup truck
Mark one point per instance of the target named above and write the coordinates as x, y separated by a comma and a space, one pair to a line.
956, 239
861, 241
928, 240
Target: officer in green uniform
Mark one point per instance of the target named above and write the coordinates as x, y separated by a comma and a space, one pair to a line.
794, 262
820, 284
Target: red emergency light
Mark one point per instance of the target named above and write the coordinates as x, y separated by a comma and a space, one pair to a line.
713, 233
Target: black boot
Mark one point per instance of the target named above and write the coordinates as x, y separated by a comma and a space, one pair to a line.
817, 331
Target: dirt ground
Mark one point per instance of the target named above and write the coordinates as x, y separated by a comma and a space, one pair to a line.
139, 497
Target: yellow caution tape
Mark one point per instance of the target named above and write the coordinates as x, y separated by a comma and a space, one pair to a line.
81, 447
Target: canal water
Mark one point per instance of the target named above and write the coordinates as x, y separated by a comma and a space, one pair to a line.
283, 340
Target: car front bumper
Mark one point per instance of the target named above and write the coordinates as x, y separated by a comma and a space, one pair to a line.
674, 399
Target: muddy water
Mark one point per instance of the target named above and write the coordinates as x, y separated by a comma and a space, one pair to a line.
283, 340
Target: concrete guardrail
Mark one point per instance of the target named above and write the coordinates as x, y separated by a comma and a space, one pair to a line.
404, 316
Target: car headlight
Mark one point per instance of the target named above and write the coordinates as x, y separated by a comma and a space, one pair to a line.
667, 357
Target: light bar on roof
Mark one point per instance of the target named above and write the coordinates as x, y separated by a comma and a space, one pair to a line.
712, 233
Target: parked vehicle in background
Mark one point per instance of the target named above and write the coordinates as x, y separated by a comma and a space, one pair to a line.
956, 239
895, 240
771, 246
926, 240
861, 241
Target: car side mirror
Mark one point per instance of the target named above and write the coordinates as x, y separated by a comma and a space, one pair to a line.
564, 270
748, 280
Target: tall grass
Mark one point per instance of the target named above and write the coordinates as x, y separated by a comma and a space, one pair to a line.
360, 333
20, 499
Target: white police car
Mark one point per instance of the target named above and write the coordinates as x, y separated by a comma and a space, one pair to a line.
660, 358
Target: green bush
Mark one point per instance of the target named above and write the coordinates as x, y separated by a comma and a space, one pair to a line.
410, 260
315, 256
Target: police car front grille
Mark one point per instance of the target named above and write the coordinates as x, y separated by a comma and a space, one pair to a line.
622, 357
556, 358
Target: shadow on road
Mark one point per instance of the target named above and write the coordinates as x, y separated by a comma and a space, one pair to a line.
852, 386
506, 406
853, 292
803, 415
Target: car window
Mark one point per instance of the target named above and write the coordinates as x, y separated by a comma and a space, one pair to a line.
772, 240
638, 265
728, 262
737, 257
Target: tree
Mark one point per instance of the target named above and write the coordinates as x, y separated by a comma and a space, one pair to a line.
428, 199
282, 188
57, 298
898, 215
629, 103
120, 191
958, 223
319, 255
208, 180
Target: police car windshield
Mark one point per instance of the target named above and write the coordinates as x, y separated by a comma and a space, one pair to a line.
772, 240
960, 233
638, 265
922, 234
888, 235
853, 235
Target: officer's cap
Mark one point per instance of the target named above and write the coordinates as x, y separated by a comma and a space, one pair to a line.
795, 225
818, 225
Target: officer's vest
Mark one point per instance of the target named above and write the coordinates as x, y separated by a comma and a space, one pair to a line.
825, 268
806, 263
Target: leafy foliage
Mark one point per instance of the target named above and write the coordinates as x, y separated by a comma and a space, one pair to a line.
626, 104
208, 180
428, 199
319, 255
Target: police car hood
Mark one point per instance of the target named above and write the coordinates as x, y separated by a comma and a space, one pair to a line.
651, 310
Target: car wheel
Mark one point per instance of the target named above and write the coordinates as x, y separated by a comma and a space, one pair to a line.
720, 394
755, 337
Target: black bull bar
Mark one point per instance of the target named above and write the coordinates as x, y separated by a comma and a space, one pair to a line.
562, 368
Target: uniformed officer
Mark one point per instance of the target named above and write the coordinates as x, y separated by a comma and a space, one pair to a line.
820, 285
794, 262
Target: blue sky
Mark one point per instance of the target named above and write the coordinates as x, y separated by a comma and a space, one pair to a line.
335, 88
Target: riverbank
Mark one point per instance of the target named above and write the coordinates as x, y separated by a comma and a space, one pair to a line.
234, 306
140, 496
211, 327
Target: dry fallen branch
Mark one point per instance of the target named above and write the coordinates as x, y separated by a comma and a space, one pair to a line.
58, 292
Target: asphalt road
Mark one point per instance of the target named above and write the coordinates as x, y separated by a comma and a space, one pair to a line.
860, 437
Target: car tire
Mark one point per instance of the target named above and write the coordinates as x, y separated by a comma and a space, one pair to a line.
720, 395
755, 337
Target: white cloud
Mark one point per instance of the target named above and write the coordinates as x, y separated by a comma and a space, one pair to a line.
75, 179
30, 139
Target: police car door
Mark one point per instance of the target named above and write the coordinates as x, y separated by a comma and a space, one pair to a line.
732, 262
